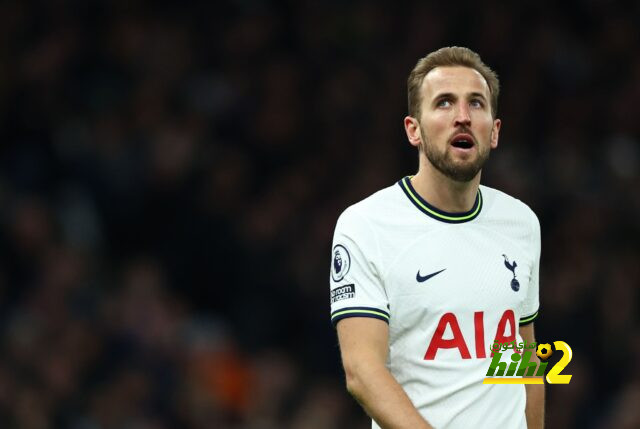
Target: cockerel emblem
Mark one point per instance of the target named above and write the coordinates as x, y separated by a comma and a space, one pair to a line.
511, 266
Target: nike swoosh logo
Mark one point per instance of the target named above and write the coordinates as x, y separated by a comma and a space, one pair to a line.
421, 279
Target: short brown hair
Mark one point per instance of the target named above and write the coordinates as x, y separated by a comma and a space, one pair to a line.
448, 57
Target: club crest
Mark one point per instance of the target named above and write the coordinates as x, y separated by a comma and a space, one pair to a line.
511, 266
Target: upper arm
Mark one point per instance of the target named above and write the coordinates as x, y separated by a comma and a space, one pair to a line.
359, 304
363, 341
527, 333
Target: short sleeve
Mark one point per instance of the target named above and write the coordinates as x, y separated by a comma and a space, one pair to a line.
531, 304
355, 286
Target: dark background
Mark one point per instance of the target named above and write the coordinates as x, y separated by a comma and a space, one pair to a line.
171, 176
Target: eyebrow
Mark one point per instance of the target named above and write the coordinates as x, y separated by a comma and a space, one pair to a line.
477, 94
452, 95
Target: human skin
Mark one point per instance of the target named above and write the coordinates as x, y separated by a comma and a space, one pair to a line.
455, 103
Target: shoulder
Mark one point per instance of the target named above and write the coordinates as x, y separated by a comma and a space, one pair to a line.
368, 211
501, 206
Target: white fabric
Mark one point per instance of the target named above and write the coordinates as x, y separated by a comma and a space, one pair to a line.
384, 241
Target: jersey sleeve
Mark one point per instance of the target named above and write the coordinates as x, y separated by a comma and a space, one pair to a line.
531, 304
356, 289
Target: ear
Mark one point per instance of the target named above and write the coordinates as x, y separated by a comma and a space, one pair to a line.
495, 133
412, 128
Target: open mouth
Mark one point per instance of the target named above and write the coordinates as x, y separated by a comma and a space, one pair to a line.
462, 141
462, 144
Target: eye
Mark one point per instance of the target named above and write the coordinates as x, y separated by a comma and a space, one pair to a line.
443, 103
477, 103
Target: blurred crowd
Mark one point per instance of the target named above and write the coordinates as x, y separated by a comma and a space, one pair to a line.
171, 176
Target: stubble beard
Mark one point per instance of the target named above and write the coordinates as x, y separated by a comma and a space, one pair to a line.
458, 171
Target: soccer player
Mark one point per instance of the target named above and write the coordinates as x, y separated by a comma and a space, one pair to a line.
429, 272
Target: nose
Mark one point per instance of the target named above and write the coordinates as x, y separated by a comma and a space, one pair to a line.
462, 115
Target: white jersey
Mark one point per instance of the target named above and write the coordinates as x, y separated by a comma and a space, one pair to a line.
448, 285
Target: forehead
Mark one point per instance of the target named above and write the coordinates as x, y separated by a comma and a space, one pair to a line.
455, 80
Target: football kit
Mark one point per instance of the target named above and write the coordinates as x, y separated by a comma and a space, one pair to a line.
448, 285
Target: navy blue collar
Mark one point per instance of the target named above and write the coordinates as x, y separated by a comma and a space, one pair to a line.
431, 211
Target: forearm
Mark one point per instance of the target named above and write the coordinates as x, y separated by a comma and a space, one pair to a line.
383, 398
535, 406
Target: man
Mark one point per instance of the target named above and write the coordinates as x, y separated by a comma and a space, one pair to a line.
428, 273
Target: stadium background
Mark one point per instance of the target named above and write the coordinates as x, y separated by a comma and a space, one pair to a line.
171, 176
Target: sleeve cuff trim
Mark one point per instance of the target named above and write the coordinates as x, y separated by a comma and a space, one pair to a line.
359, 312
528, 319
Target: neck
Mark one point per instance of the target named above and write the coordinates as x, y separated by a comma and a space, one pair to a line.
444, 193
